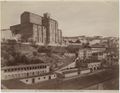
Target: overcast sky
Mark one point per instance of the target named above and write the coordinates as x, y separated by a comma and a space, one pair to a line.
74, 18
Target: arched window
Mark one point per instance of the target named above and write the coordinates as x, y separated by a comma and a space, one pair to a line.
44, 77
27, 68
94, 68
24, 68
30, 68
35, 67
18, 69
21, 68
5, 70
12, 69
45, 66
15, 69
91, 69
8, 70
27, 74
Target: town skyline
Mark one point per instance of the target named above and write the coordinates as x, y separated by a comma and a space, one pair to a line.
91, 18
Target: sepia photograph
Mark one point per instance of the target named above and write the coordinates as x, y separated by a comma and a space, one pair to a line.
60, 45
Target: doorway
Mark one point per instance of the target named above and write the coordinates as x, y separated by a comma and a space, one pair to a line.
27, 74
33, 80
49, 77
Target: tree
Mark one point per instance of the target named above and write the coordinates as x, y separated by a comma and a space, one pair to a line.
11, 61
77, 41
34, 53
24, 59
70, 41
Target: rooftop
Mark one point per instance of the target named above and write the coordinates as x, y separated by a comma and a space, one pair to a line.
38, 15
19, 66
70, 71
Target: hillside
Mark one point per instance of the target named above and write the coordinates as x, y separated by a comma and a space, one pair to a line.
17, 54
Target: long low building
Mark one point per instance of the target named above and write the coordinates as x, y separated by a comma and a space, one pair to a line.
21, 71
73, 72
40, 78
70, 73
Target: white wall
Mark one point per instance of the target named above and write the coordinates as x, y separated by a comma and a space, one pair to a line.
19, 74
85, 71
38, 79
71, 74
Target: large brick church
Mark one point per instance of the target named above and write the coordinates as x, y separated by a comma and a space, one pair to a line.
42, 30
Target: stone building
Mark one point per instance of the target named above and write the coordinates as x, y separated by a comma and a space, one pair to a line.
42, 30
84, 53
23, 71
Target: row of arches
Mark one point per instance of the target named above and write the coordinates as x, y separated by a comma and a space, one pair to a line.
25, 68
94, 68
25, 74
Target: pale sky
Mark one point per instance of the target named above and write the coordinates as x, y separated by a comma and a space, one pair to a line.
74, 18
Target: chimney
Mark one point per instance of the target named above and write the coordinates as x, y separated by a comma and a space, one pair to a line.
46, 15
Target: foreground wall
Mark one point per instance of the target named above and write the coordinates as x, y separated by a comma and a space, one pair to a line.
38, 79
